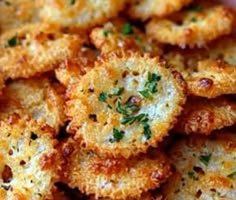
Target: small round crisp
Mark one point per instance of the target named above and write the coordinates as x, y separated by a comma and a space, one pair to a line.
36, 97
144, 9
125, 104
115, 178
29, 162
120, 34
79, 13
205, 168
193, 27
35, 48
15, 13
206, 115
212, 79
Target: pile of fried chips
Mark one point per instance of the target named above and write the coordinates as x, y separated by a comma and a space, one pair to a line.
117, 100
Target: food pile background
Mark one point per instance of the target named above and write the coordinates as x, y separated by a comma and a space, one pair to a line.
117, 100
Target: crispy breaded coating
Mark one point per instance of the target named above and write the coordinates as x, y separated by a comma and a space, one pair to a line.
70, 71
115, 178
144, 9
202, 116
213, 79
81, 14
125, 104
36, 97
29, 161
118, 34
35, 48
205, 168
194, 27
15, 13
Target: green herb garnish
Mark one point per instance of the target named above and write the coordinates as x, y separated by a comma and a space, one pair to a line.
106, 33
117, 92
126, 109
131, 119
72, 2
205, 159
195, 8
194, 19
102, 97
117, 135
147, 131
127, 29
150, 86
192, 175
232, 174
13, 42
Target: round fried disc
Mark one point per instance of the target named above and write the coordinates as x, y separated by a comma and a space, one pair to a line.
125, 104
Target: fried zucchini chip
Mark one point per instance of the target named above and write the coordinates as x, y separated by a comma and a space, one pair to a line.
15, 13
193, 27
125, 104
81, 14
35, 48
213, 79
206, 115
144, 9
36, 97
205, 168
115, 178
29, 162
118, 34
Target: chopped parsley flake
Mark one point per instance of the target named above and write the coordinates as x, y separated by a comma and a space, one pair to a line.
106, 33
131, 119
232, 175
102, 97
150, 86
147, 131
117, 92
127, 109
127, 29
194, 19
72, 2
195, 8
13, 42
192, 175
117, 135
205, 159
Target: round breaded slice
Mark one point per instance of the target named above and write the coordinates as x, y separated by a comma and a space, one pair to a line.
35, 48
125, 104
145, 9
212, 79
15, 13
115, 178
29, 162
194, 27
81, 14
118, 34
206, 115
36, 97
205, 168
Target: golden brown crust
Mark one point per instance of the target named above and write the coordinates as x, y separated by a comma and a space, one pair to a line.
81, 14
128, 74
29, 163
144, 9
35, 48
196, 28
115, 178
213, 79
36, 97
118, 33
204, 168
15, 13
202, 116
